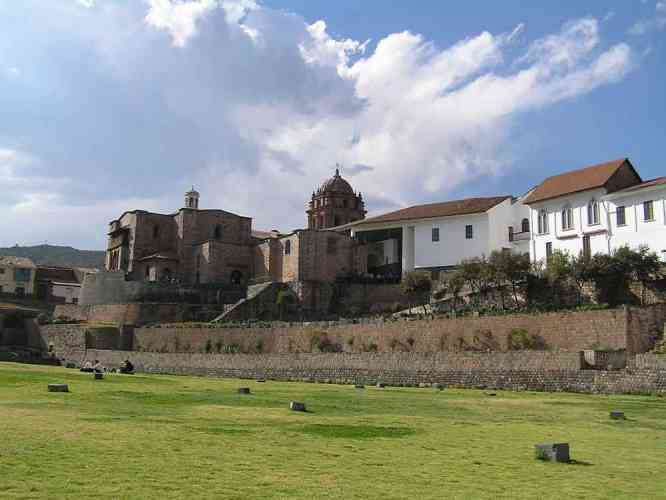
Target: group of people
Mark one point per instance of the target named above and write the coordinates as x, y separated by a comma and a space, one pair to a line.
127, 367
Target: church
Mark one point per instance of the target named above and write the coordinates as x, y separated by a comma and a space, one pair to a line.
198, 246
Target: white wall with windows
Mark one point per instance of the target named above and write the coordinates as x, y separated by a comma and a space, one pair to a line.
596, 222
570, 223
639, 218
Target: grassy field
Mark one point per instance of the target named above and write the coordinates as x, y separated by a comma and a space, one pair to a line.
180, 437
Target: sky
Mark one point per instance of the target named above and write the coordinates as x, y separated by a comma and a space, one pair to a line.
115, 105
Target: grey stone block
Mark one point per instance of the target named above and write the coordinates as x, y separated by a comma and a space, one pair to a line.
296, 406
99, 376
243, 390
552, 452
381, 385
438, 387
617, 415
58, 388
359, 386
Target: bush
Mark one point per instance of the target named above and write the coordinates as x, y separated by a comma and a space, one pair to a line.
520, 339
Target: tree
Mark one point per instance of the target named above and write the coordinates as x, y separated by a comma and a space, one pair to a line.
477, 275
558, 269
581, 270
417, 285
643, 265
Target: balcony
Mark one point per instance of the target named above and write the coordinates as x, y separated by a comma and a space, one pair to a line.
518, 237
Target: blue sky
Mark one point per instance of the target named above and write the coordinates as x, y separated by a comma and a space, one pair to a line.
111, 105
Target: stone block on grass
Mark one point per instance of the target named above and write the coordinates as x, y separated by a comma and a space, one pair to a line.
58, 388
359, 386
552, 452
99, 376
381, 385
617, 415
296, 406
243, 390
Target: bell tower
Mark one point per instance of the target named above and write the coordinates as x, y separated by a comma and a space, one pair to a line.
192, 199
334, 203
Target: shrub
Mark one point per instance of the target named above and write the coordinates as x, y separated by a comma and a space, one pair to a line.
209, 346
520, 339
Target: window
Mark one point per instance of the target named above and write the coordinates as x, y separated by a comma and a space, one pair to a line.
156, 232
525, 226
20, 291
648, 211
510, 233
549, 250
217, 234
469, 232
435, 234
621, 217
543, 221
22, 275
567, 218
2, 270
344, 203
593, 213
287, 247
587, 247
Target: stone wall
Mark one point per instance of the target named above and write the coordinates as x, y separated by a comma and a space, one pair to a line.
564, 331
512, 371
645, 325
125, 314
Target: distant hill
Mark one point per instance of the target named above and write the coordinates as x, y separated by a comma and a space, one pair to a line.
51, 255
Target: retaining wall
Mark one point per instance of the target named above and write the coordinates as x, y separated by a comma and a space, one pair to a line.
634, 329
538, 371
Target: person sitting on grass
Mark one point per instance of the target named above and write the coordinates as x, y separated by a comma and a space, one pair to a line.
127, 367
87, 367
97, 367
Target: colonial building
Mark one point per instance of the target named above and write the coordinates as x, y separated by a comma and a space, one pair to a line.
195, 246
334, 204
17, 276
598, 209
438, 236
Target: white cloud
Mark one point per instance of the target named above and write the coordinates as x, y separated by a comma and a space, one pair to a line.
655, 23
86, 3
256, 126
178, 17
323, 50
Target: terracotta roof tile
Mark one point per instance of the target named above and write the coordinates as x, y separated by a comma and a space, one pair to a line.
445, 209
575, 181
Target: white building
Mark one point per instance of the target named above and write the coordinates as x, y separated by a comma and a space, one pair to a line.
438, 236
596, 210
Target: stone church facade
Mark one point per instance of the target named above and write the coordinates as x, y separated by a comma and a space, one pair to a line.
195, 246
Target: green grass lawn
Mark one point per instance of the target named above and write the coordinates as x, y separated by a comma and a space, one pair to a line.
179, 437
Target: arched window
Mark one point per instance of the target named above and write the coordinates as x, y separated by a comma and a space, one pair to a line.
543, 221
217, 234
525, 225
567, 217
592, 212
156, 231
336, 221
236, 277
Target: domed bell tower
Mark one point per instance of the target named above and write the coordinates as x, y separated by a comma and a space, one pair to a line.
334, 203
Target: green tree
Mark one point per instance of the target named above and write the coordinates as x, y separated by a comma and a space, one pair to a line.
417, 286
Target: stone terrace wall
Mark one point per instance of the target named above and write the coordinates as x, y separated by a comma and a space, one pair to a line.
645, 325
513, 371
564, 331
129, 314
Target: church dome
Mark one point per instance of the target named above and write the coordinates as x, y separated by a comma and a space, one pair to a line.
336, 184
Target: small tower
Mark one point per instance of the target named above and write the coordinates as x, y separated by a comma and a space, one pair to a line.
334, 204
192, 199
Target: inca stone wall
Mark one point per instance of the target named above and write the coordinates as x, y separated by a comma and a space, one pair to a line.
624, 328
537, 371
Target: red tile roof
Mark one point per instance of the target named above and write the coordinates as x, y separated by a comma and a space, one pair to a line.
445, 209
575, 181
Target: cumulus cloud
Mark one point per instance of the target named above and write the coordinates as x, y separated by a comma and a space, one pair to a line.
260, 106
